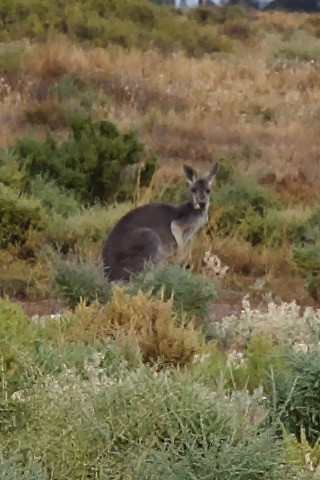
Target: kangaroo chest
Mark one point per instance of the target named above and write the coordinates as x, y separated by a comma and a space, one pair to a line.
183, 231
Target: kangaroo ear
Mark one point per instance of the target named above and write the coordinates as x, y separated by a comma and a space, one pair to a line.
213, 173
190, 173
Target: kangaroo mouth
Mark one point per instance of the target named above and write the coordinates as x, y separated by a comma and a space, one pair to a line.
200, 206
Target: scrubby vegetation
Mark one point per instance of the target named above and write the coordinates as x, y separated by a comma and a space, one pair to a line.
101, 102
77, 388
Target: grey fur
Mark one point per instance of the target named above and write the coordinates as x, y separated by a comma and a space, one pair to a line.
152, 232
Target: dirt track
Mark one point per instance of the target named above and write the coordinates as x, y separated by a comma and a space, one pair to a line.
226, 305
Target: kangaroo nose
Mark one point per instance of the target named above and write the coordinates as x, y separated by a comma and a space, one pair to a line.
202, 204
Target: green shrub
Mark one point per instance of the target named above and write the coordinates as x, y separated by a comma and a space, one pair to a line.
262, 356
308, 232
53, 198
18, 214
11, 56
249, 369
17, 338
243, 208
71, 90
11, 172
301, 45
273, 229
130, 24
28, 470
54, 357
81, 230
89, 162
31, 278
189, 431
306, 251
81, 280
208, 15
307, 260
297, 394
191, 293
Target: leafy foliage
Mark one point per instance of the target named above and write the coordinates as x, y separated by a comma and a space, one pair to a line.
243, 208
18, 213
81, 280
187, 429
24, 278
53, 198
89, 163
307, 259
191, 293
297, 394
308, 232
18, 337
133, 23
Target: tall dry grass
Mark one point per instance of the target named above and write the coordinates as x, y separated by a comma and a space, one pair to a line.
189, 109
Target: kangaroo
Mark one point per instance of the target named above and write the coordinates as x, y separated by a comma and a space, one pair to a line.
151, 233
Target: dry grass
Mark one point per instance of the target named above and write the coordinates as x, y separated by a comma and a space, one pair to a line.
192, 109
144, 327
280, 20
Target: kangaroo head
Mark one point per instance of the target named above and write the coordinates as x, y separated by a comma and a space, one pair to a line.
199, 189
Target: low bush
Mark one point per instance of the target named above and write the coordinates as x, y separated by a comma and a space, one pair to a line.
90, 162
76, 93
144, 327
24, 278
18, 214
297, 394
307, 260
242, 367
301, 45
208, 15
308, 232
243, 208
17, 339
11, 172
80, 280
80, 231
54, 199
261, 357
192, 294
54, 355
239, 29
130, 24
297, 325
189, 431
12, 55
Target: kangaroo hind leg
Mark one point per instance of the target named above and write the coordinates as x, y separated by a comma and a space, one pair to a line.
143, 246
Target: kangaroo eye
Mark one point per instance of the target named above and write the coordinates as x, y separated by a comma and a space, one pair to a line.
207, 190
193, 190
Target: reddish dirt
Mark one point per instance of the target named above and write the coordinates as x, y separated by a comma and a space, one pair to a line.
228, 304
40, 307
231, 304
